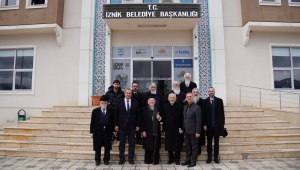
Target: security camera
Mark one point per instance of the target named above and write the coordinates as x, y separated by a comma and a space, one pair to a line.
195, 35
152, 58
108, 32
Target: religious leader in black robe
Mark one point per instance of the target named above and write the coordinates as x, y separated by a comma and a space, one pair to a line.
150, 127
172, 124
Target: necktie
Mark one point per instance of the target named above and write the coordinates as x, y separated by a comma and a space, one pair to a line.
103, 112
127, 106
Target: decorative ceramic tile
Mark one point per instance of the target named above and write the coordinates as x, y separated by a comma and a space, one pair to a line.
203, 49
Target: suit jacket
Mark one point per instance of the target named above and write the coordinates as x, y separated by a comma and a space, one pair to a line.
219, 116
95, 128
192, 119
139, 98
185, 89
122, 117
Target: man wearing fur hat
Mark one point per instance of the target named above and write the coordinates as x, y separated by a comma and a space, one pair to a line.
102, 130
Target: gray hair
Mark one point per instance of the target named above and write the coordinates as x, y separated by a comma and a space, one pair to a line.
152, 85
172, 94
128, 89
185, 74
175, 82
195, 89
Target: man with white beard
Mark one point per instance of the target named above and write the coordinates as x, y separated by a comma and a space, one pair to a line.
199, 101
187, 85
159, 100
180, 96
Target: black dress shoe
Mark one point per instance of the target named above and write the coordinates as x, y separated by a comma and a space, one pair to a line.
192, 165
177, 162
170, 162
217, 161
106, 163
121, 162
131, 162
208, 161
97, 163
186, 163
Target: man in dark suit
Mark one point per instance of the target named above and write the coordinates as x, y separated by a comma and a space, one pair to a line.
192, 127
138, 97
127, 122
187, 85
214, 122
199, 101
180, 96
172, 113
101, 130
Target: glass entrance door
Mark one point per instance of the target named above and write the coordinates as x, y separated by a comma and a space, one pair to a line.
158, 72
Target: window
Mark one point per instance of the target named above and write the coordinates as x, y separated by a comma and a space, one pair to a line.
115, 1
9, 4
151, 1
16, 70
36, 4
270, 2
294, 3
286, 67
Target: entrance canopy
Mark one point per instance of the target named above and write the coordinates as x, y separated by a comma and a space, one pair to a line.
151, 16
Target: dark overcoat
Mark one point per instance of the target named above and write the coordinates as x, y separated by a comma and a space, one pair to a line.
201, 140
185, 89
219, 116
95, 128
172, 121
157, 96
147, 126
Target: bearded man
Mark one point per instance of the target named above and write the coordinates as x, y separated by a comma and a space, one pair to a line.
187, 85
180, 96
159, 100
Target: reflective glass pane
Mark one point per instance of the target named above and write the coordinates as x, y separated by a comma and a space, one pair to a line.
7, 59
295, 0
11, 2
141, 69
282, 79
24, 59
280, 51
162, 76
296, 61
296, 52
281, 61
296, 79
23, 80
6, 80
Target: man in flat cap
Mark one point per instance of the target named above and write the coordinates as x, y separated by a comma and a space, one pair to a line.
102, 130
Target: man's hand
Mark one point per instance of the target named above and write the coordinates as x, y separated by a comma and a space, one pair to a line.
204, 128
117, 128
157, 116
91, 135
181, 131
144, 134
137, 128
197, 135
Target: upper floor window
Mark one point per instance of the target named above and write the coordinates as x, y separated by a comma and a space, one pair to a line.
9, 4
36, 4
286, 67
16, 70
294, 3
270, 2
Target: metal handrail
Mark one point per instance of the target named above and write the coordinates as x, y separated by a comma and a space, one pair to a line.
259, 93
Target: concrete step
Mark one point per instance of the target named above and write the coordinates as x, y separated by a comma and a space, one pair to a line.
139, 156
88, 139
259, 124
244, 113
86, 132
237, 107
67, 114
139, 148
60, 119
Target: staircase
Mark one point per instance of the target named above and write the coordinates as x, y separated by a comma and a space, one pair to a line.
64, 133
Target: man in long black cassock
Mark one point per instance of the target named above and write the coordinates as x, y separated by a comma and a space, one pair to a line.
150, 127
199, 101
172, 125
101, 130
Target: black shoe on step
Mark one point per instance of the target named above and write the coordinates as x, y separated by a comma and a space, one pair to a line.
186, 162
97, 163
177, 162
170, 162
121, 162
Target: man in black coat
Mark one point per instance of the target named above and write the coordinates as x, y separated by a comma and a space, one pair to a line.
101, 130
150, 128
114, 93
187, 85
213, 123
138, 97
172, 126
159, 100
199, 102
192, 121
180, 96
127, 122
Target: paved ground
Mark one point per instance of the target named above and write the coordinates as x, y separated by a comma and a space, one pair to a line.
23, 163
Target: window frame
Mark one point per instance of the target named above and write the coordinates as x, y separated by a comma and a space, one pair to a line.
294, 4
10, 7
276, 45
275, 3
21, 91
29, 6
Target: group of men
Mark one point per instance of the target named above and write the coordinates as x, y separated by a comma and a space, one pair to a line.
184, 116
